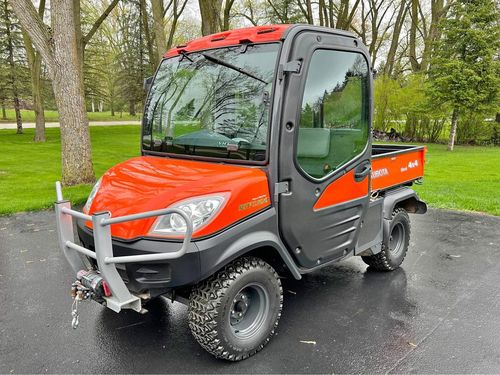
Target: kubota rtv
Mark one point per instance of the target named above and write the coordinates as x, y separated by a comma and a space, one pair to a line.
256, 161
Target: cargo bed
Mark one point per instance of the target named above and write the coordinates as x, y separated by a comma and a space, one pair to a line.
394, 165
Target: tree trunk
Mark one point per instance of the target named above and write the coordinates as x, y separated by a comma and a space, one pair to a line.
227, 14
147, 36
36, 83
391, 55
453, 130
67, 80
210, 11
17, 109
177, 9
159, 26
438, 11
4, 111
131, 107
35, 65
415, 66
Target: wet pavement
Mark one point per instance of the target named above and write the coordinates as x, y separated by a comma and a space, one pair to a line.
439, 313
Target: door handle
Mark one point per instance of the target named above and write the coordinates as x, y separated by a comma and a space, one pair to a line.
362, 171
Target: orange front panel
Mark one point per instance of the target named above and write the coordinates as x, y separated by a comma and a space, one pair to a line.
343, 189
150, 183
397, 169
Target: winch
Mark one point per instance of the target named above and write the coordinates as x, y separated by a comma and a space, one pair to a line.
89, 284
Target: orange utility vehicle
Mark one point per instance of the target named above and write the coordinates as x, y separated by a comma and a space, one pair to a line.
256, 162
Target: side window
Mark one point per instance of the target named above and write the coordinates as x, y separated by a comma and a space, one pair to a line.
334, 115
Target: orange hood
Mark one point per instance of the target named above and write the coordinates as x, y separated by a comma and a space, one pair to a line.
150, 183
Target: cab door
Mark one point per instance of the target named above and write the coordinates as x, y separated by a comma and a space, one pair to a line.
325, 148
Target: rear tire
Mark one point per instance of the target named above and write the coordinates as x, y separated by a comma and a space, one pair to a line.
234, 313
395, 247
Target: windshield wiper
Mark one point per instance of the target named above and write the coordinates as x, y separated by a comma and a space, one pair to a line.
231, 66
185, 56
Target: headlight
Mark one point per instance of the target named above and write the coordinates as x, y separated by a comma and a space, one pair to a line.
199, 210
92, 195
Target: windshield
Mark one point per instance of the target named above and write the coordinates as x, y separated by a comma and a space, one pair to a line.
212, 103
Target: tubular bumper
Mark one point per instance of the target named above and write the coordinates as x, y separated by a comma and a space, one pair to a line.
120, 298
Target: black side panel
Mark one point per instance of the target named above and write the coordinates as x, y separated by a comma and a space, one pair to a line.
257, 232
370, 232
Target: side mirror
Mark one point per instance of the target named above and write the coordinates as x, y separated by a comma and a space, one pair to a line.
147, 83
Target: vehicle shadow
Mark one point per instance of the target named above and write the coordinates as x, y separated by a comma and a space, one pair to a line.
340, 308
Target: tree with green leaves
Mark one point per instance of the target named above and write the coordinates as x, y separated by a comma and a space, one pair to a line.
131, 55
10, 43
465, 70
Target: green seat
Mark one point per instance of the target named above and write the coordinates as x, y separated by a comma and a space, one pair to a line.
313, 143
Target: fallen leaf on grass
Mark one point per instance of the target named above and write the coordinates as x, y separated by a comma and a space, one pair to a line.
308, 342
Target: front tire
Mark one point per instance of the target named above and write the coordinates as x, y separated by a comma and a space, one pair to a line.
395, 247
234, 313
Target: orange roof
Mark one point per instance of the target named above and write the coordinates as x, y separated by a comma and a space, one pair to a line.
256, 34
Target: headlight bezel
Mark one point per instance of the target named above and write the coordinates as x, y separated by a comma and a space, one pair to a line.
194, 202
92, 195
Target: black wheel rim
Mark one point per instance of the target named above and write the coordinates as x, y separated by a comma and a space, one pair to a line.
249, 311
397, 239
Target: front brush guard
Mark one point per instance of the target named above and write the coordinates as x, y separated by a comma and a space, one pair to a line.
120, 298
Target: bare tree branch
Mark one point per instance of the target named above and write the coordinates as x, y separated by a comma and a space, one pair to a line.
38, 32
98, 23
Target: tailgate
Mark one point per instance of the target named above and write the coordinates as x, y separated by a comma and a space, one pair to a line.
394, 165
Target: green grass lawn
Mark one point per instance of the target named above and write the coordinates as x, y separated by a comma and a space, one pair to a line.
29, 170
53, 116
465, 179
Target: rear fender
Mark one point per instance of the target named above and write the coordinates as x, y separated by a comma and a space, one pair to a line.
405, 198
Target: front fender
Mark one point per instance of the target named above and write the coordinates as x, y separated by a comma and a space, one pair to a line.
256, 232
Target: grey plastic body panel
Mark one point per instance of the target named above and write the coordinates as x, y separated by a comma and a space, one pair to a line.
256, 232
370, 234
203, 257
405, 197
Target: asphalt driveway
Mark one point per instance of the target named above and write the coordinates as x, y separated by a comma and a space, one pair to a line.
438, 313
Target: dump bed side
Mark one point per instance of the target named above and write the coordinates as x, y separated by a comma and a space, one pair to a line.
394, 165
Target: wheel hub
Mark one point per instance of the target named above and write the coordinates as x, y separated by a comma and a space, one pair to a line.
396, 239
239, 307
249, 311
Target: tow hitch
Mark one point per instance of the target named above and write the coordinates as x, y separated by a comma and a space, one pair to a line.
88, 285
